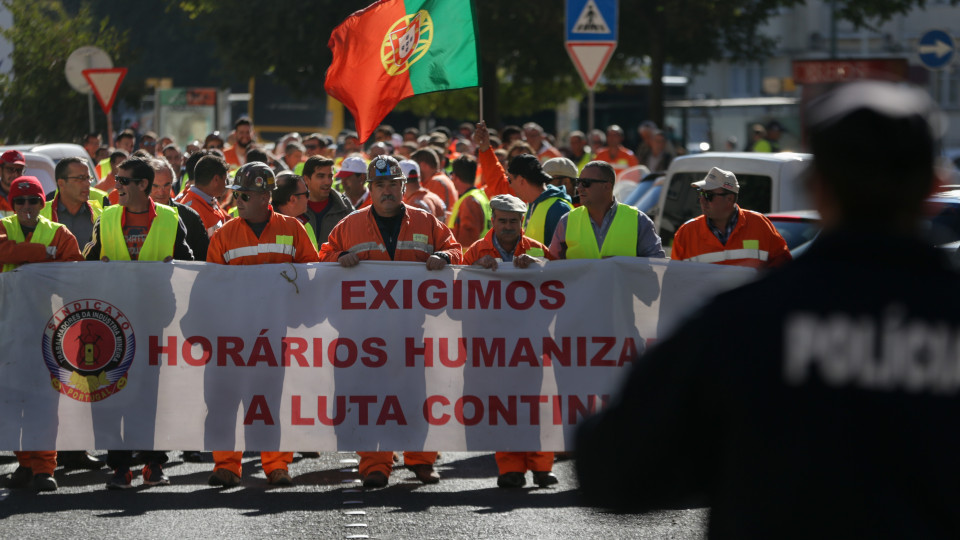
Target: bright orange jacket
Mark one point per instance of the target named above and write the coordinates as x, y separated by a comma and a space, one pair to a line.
421, 235
484, 246
754, 242
283, 240
210, 215
624, 160
427, 200
442, 185
230, 156
493, 178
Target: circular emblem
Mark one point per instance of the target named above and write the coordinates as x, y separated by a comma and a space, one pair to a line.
88, 346
406, 42
259, 181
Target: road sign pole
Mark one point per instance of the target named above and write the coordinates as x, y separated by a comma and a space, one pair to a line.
590, 105
110, 127
90, 109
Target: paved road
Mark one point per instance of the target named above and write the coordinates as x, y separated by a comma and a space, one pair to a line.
326, 502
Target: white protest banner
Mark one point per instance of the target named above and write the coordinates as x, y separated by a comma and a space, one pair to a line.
384, 356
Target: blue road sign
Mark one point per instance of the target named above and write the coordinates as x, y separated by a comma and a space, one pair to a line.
592, 20
936, 49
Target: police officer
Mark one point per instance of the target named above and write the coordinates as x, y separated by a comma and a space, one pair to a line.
819, 400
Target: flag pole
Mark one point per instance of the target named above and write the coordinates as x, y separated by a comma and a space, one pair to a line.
481, 104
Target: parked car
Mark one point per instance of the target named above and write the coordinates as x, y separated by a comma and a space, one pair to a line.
646, 195
42, 167
768, 183
58, 151
796, 227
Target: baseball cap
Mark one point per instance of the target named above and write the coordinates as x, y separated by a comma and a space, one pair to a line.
718, 178
411, 170
351, 165
13, 157
508, 203
560, 166
528, 166
24, 186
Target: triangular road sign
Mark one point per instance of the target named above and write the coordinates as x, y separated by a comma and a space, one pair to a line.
591, 21
105, 83
590, 59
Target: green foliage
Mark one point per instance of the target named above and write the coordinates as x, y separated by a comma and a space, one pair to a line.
37, 104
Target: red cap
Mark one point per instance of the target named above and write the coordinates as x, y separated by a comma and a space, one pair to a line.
13, 157
24, 186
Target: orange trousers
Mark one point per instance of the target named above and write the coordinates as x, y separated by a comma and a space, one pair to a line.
270, 461
383, 461
40, 462
522, 462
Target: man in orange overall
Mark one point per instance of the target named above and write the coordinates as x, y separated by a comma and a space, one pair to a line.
505, 243
286, 241
389, 230
27, 237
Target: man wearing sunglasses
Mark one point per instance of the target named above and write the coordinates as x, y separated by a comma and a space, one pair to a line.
726, 233
258, 236
601, 227
137, 229
28, 237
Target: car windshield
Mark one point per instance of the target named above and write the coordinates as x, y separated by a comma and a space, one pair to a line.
796, 231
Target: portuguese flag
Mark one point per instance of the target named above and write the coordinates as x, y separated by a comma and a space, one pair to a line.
394, 49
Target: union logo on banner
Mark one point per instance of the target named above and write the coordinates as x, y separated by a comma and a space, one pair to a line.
406, 42
88, 346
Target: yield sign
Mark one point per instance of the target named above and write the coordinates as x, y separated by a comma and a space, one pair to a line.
590, 59
105, 83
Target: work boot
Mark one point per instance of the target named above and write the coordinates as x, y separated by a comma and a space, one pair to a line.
78, 459
153, 475
20, 478
376, 479
425, 473
310, 455
279, 477
511, 480
44, 482
544, 478
223, 478
193, 456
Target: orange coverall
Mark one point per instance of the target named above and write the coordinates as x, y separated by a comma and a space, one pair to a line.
520, 462
359, 228
226, 247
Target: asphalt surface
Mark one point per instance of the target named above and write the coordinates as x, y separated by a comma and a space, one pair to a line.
326, 501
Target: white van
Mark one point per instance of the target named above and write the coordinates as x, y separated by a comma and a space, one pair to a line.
768, 183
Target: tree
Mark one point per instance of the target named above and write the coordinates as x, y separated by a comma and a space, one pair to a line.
36, 103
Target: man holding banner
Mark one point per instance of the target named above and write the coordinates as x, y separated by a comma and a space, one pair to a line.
28, 237
389, 230
259, 236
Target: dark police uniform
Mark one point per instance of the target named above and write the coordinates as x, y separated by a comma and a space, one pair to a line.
818, 402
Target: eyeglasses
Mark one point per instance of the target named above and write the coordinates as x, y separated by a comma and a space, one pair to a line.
15, 169
311, 146
125, 180
587, 182
303, 194
27, 200
245, 197
79, 178
709, 195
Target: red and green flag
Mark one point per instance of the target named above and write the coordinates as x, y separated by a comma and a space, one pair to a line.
395, 49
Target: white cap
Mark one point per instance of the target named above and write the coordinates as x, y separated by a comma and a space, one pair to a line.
352, 165
408, 166
718, 178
